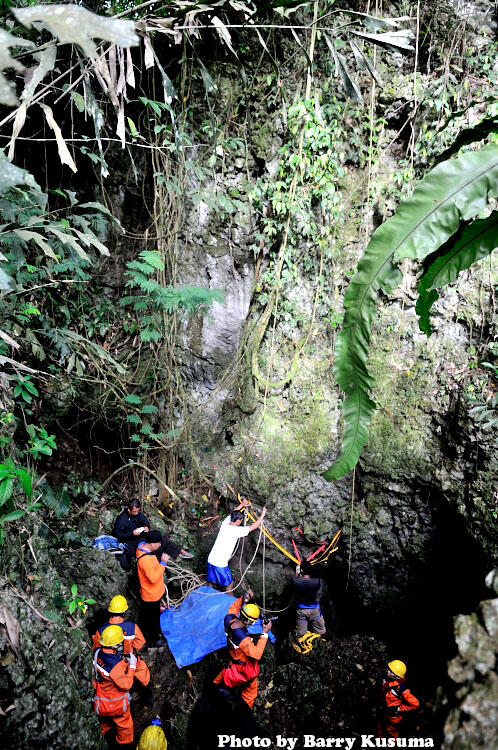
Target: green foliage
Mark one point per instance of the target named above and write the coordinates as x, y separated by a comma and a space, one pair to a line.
25, 388
40, 442
77, 603
453, 191
158, 299
10, 475
476, 241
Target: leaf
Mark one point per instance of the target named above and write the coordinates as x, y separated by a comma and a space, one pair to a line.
95, 349
10, 175
149, 409
391, 40
68, 239
74, 589
207, 79
90, 239
26, 235
454, 190
13, 627
47, 62
350, 85
7, 89
26, 482
372, 23
64, 154
51, 615
12, 516
6, 489
223, 33
133, 130
153, 259
470, 135
476, 241
78, 100
131, 398
133, 419
72, 24
364, 63
72, 607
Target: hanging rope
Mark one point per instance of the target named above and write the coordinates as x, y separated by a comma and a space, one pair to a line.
264, 575
351, 529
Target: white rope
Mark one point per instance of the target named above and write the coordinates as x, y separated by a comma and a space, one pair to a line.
189, 581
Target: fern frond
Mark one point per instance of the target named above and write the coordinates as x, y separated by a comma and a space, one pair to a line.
152, 258
454, 190
476, 242
150, 334
136, 265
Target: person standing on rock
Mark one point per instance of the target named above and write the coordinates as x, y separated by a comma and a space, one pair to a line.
244, 666
151, 578
133, 642
114, 673
310, 623
231, 530
130, 528
396, 700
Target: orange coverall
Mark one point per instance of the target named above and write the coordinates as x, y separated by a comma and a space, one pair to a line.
398, 700
134, 640
115, 685
244, 651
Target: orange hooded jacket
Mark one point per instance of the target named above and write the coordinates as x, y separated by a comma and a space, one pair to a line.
151, 575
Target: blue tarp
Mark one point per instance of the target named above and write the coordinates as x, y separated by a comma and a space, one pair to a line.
195, 629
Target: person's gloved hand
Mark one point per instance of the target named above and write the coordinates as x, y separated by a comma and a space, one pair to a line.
133, 661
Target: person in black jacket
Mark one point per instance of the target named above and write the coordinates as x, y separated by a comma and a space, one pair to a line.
130, 528
310, 623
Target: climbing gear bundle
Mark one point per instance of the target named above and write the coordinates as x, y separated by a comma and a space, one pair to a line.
305, 643
322, 552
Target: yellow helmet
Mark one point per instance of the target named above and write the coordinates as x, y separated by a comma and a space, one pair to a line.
117, 605
111, 636
397, 667
152, 738
250, 612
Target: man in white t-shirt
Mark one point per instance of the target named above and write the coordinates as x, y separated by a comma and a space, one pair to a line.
218, 572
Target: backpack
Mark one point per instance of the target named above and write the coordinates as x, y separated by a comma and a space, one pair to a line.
109, 544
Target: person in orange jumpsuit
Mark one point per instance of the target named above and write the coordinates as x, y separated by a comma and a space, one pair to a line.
243, 652
133, 642
113, 677
151, 577
397, 700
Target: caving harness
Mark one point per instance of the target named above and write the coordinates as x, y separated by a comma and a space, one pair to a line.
103, 704
306, 641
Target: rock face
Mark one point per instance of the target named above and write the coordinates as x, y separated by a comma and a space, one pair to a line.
473, 723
